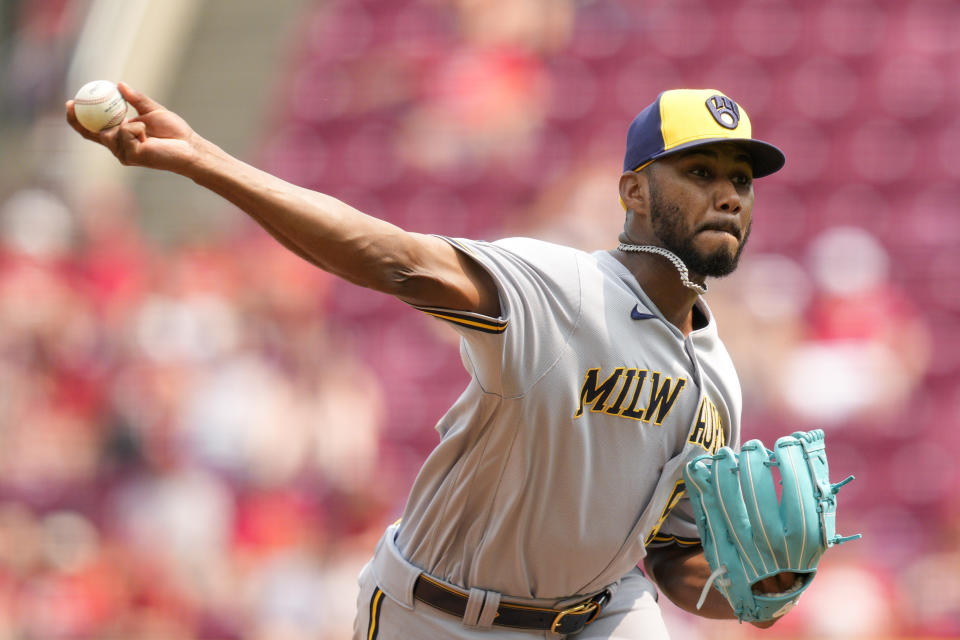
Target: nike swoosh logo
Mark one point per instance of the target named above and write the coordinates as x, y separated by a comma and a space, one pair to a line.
636, 314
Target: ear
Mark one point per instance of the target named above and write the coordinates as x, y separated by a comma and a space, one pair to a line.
634, 192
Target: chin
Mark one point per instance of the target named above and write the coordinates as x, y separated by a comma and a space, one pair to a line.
715, 264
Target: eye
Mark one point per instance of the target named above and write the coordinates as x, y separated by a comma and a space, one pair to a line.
700, 172
742, 180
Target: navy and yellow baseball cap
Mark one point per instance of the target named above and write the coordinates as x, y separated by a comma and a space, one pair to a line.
684, 118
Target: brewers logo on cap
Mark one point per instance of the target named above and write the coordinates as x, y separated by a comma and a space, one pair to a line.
683, 118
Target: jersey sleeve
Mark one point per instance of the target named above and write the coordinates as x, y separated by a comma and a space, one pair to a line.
680, 527
539, 290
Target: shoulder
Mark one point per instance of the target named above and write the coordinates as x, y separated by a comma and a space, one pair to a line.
526, 254
524, 245
524, 248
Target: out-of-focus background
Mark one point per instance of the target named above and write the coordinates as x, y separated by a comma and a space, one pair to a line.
201, 437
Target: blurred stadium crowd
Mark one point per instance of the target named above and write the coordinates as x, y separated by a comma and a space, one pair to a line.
203, 440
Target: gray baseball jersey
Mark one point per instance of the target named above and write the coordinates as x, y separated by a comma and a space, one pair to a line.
561, 461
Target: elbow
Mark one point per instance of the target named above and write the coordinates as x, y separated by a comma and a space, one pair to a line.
411, 285
423, 288
402, 271
372, 263
390, 275
407, 271
401, 278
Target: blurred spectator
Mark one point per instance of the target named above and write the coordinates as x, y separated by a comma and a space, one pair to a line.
35, 41
866, 349
35, 222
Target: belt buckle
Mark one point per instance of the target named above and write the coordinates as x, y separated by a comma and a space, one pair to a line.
583, 607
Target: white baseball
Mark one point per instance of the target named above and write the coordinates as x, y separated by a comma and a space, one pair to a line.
99, 105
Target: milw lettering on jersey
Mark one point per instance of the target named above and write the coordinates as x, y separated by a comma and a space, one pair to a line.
621, 393
708, 431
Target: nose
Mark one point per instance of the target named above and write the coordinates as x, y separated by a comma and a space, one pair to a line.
727, 198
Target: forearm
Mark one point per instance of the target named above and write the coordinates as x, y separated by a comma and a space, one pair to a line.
319, 228
681, 574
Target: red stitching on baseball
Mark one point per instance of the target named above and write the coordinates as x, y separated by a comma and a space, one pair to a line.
101, 99
115, 120
89, 101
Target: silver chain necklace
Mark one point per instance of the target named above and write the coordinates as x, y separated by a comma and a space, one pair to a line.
669, 255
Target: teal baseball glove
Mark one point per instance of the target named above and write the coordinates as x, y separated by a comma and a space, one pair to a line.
748, 534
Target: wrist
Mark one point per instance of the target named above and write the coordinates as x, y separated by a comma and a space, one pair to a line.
201, 161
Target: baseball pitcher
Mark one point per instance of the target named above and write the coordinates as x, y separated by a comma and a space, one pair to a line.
594, 458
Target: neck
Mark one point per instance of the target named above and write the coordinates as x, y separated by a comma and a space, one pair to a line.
678, 264
663, 282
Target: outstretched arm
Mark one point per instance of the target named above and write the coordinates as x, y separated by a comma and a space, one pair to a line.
419, 269
681, 573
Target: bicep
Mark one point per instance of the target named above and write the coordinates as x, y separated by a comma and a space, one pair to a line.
435, 274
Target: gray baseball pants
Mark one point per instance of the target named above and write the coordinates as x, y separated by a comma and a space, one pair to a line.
387, 610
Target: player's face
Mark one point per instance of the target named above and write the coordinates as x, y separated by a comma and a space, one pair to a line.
701, 205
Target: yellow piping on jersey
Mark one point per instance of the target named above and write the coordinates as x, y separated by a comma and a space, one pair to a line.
375, 603
661, 538
488, 326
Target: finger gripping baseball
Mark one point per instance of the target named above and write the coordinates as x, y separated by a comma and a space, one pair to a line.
748, 534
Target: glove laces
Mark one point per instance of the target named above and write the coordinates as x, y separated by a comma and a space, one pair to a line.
672, 257
719, 571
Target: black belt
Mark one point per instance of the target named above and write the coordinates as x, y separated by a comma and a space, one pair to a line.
563, 621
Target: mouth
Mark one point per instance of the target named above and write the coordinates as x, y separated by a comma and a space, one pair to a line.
726, 229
